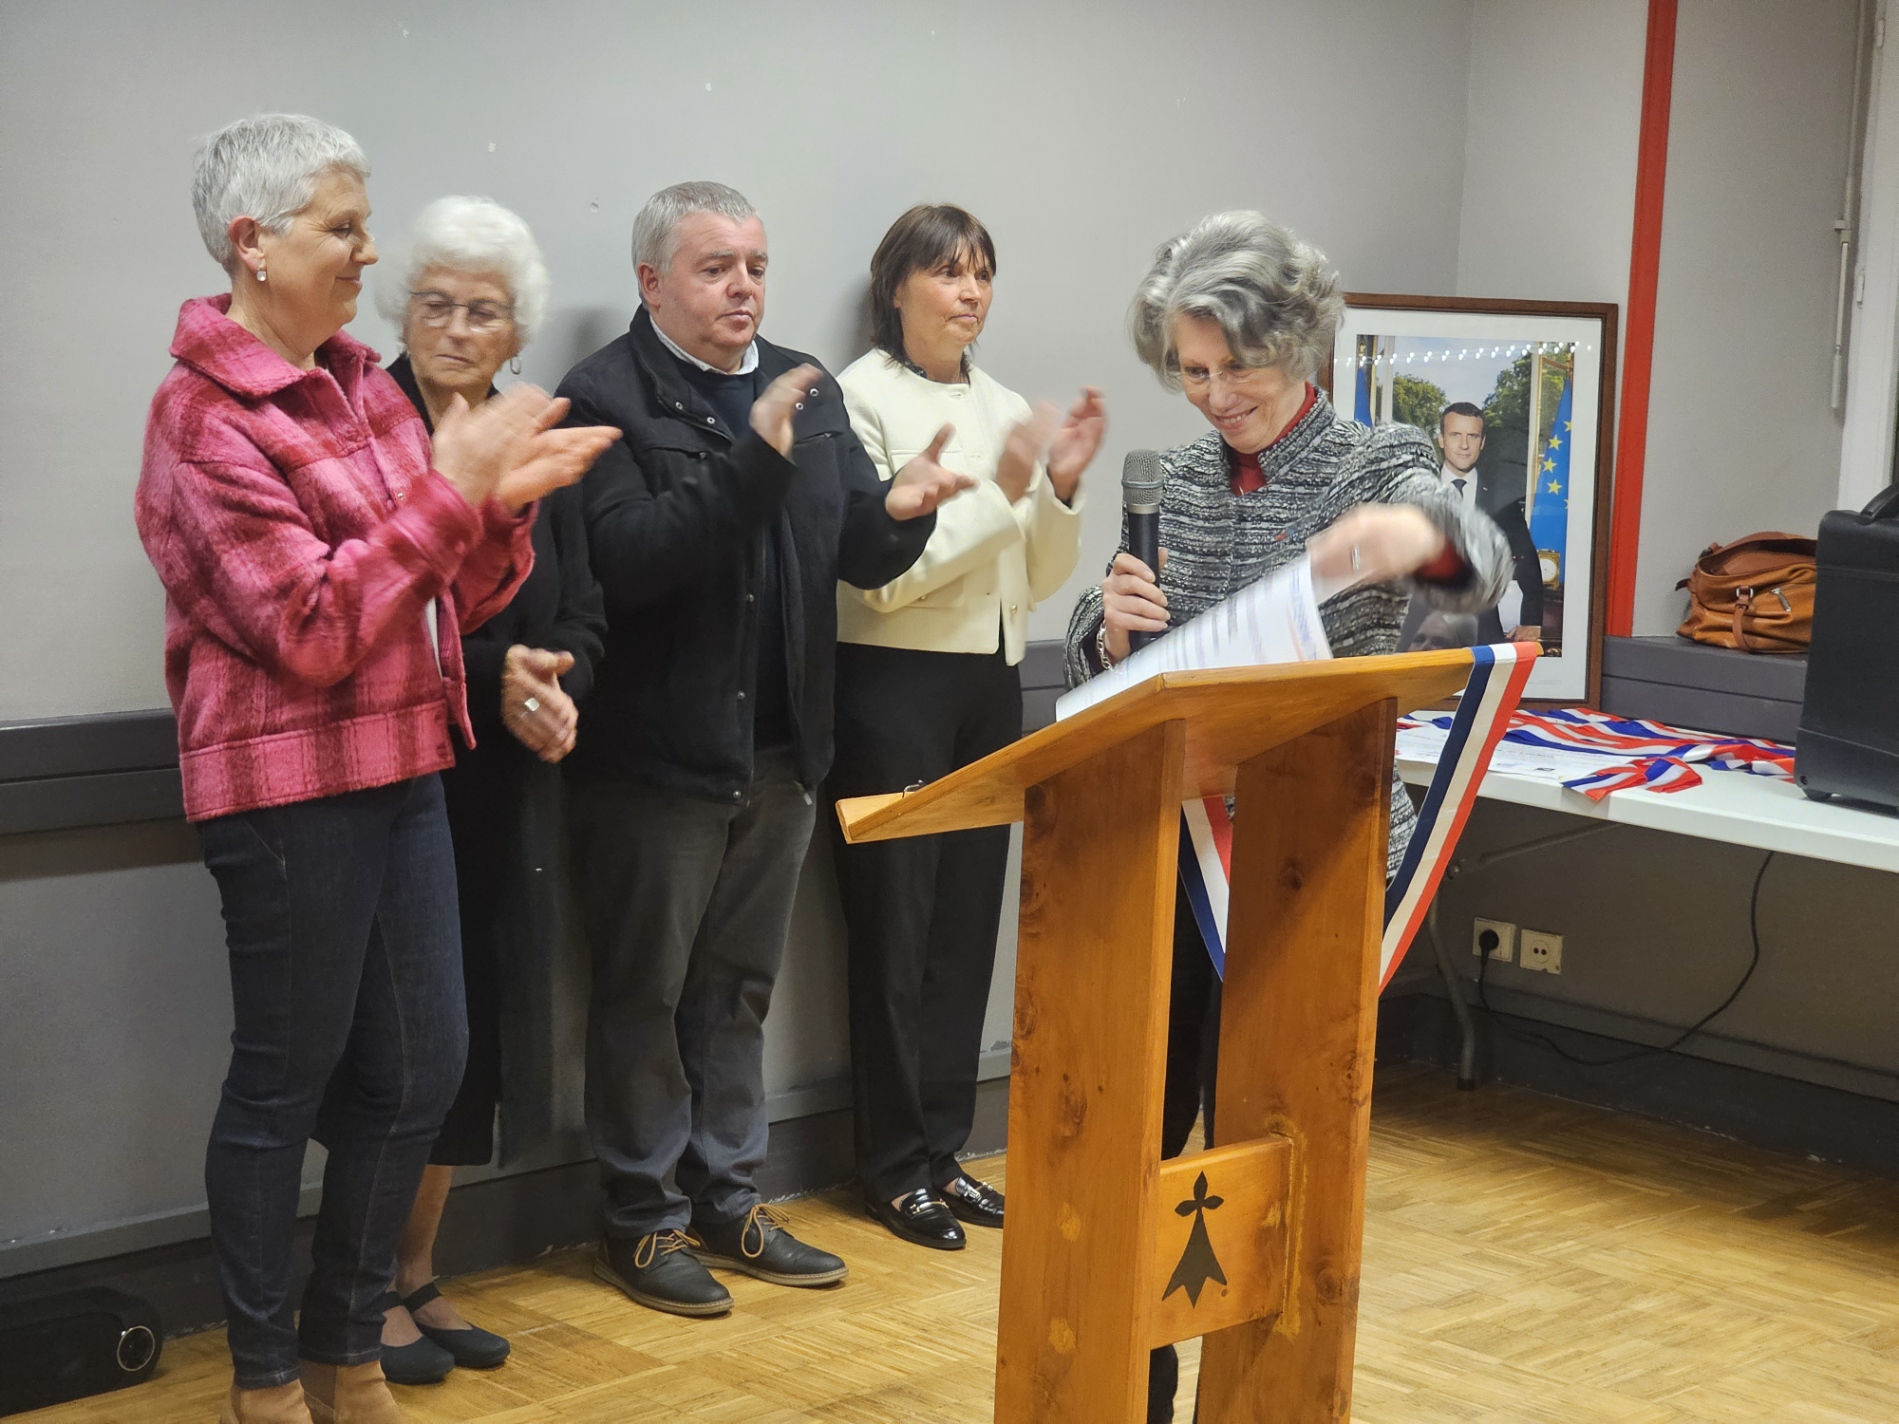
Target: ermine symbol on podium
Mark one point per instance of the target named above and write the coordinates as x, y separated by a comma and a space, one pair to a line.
1198, 1264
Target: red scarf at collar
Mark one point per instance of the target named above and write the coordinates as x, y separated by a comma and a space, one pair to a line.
1246, 476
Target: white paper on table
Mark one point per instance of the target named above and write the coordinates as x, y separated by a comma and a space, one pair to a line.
1545, 764
1275, 620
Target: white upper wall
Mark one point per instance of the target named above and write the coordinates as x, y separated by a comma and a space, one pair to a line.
1083, 133
1555, 110
1483, 147
1742, 436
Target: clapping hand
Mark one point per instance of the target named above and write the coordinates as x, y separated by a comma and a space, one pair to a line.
1076, 442
1023, 448
533, 707
508, 447
772, 412
922, 484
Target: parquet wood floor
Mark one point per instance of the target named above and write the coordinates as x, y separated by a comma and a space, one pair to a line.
1527, 1261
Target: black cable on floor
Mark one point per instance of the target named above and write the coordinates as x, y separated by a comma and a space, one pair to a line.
1753, 963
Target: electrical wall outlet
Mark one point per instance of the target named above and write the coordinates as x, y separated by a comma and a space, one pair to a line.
1542, 952
1497, 937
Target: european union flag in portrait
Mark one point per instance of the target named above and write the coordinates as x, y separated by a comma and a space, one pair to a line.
1549, 501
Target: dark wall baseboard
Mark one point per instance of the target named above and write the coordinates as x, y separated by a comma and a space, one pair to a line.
119, 767
1761, 1109
503, 1221
89, 771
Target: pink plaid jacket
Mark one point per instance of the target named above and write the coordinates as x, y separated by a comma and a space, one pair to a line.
300, 533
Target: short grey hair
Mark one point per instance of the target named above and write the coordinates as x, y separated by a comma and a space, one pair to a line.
265, 167
1275, 297
471, 235
656, 228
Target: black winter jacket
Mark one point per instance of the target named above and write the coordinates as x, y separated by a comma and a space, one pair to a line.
675, 512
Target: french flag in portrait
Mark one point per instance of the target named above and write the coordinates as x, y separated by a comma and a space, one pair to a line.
1497, 679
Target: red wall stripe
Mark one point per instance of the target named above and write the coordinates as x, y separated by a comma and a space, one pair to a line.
1645, 260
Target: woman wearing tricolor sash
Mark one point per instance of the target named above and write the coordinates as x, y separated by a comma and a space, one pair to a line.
1238, 314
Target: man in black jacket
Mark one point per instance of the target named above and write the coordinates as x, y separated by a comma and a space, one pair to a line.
719, 526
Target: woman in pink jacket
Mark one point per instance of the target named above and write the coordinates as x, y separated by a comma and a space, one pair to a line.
320, 564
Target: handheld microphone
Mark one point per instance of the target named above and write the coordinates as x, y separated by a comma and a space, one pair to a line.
1142, 479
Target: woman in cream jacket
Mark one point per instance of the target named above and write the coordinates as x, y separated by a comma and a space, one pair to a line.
927, 682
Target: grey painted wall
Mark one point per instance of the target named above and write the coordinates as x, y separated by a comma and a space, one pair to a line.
1741, 435
1084, 134
1555, 108
1655, 935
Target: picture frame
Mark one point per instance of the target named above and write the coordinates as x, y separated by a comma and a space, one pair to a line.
1504, 388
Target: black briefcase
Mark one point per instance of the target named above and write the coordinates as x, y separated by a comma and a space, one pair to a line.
1848, 742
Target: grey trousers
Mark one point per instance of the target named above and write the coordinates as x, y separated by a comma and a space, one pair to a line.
687, 903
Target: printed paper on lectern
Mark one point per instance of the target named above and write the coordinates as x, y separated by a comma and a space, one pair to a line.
1275, 620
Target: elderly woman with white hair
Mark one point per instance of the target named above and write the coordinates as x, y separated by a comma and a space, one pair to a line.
470, 296
320, 562
1239, 315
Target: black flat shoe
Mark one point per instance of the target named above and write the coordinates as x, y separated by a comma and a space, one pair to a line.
472, 1348
660, 1272
758, 1244
418, 1362
972, 1201
922, 1218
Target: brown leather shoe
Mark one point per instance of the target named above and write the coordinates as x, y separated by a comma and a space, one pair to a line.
281, 1404
349, 1394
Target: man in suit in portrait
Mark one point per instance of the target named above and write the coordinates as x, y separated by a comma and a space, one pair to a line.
1461, 439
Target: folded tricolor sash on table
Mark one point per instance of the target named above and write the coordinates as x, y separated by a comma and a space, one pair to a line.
1648, 755
1497, 680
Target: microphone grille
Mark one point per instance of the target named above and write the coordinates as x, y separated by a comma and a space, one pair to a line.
1142, 475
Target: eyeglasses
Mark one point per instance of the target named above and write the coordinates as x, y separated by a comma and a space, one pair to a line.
436, 309
1199, 378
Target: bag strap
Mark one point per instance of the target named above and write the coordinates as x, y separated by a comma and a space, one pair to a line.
1742, 598
1883, 505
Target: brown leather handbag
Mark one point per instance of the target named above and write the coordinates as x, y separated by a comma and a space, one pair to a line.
1755, 594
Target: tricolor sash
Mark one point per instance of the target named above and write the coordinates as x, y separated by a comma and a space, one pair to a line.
1497, 679
1651, 756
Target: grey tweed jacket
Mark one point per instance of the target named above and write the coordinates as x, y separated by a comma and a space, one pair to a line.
1218, 542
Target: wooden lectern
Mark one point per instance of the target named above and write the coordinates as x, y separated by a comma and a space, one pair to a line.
1108, 1251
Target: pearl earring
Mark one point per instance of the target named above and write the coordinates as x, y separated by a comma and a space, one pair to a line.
260, 275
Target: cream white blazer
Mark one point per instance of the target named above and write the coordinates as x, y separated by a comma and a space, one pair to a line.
989, 561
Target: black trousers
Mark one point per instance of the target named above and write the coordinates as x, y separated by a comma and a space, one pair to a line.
921, 914
483, 796
688, 903
1193, 1053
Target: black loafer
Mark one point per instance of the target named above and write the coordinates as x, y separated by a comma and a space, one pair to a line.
922, 1218
659, 1272
972, 1201
758, 1244
418, 1362
472, 1348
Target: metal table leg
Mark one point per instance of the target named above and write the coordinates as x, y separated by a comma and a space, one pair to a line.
1454, 986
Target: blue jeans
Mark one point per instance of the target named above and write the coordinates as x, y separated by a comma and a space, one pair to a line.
345, 944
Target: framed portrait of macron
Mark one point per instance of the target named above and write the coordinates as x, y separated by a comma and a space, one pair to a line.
1518, 400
